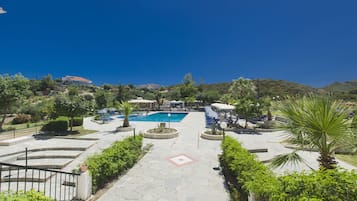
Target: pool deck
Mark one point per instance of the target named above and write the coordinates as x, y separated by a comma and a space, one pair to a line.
177, 169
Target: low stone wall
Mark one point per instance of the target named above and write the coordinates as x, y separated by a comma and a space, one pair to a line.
267, 129
161, 135
211, 137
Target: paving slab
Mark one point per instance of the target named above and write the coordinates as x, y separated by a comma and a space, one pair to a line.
53, 163
50, 154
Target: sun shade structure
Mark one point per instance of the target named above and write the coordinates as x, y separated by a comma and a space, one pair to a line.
143, 104
175, 103
222, 107
140, 100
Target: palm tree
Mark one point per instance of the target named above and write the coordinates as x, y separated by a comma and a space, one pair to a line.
266, 105
319, 123
127, 109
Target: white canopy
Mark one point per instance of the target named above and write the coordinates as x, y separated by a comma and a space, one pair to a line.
175, 101
141, 100
221, 106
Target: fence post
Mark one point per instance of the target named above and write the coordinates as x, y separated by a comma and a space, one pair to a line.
26, 159
84, 186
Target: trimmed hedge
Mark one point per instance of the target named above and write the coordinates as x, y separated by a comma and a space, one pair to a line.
24, 196
58, 125
113, 161
77, 121
252, 176
328, 185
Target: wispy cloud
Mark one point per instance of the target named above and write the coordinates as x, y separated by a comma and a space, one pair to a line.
2, 11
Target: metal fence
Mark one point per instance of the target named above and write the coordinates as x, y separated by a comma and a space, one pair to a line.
56, 184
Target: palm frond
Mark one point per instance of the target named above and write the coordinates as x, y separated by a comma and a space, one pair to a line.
283, 159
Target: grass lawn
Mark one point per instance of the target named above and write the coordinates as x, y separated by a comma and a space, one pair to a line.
79, 131
19, 132
351, 159
24, 126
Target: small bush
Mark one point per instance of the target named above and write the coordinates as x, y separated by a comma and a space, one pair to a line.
58, 125
113, 161
21, 118
251, 176
77, 121
24, 196
327, 185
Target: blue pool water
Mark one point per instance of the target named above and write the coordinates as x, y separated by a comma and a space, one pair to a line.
157, 117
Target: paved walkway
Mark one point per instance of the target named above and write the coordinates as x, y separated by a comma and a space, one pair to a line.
156, 178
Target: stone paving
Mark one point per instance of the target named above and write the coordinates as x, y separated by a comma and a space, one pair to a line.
188, 178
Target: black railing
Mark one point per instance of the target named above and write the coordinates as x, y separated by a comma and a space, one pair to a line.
56, 184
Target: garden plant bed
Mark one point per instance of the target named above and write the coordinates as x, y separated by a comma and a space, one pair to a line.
209, 136
161, 133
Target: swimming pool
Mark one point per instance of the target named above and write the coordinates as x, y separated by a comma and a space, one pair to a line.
158, 117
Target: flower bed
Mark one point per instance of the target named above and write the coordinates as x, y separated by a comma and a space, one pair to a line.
161, 133
209, 136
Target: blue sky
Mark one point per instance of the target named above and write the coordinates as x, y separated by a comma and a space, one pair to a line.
158, 41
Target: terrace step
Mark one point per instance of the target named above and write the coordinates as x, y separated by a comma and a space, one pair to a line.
50, 154
17, 140
55, 163
22, 175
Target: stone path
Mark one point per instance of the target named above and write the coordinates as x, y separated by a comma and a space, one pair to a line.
157, 178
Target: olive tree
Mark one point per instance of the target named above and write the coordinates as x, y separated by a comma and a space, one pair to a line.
12, 90
71, 107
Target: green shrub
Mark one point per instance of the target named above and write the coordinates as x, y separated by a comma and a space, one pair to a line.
250, 174
109, 164
328, 185
21, 118
58, 125
253, 176
24, 196
77, 121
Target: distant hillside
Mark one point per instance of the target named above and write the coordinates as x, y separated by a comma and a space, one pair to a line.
266, 87
269, 87
346, 87
222, 87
